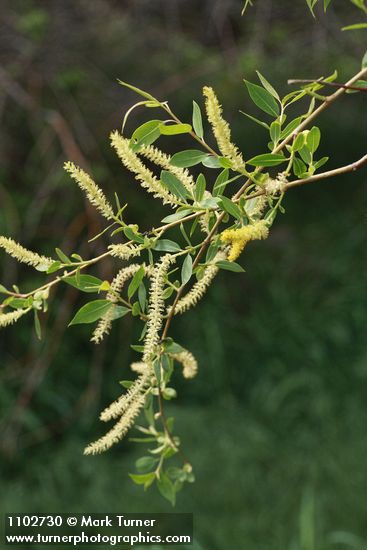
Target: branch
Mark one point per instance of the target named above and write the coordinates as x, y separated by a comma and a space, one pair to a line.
331, 173
317, 177
324, 105
324, 83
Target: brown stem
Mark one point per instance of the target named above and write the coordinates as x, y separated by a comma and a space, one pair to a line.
324, 83
317, 177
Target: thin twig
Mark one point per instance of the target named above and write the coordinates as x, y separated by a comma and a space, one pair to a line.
325, 83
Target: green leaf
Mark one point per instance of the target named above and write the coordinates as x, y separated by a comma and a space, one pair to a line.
313, 139
268, 86
118, 312
135, 282
176, 216
230, 266
175, 129
311, 4
210, 202
137, 90
3, 290
275, 131
355, 27
146, 464
326, 4
126, 383
268, 159
173, 347
293, 125
210, 161
91, 312
256, 120
169, 393
225, 162
133, 236
86, 283
135, 310
157, 369
200, 187
165, 245
63, 257
306, 154
188, 158
230, 207
186, 270
174, 185
197, 120
263, 99
143, 479
299, 167
55, 266
221, 182
146, 134
299, 142
142, 296
166, 488
37, 325
320, 162
18, 303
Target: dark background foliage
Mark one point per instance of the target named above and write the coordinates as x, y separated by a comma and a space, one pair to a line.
275, 423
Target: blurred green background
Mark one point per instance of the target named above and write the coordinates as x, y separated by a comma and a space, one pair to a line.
276, 422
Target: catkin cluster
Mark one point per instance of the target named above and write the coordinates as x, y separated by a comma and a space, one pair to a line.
238, 238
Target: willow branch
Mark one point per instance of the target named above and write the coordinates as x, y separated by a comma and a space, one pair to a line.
317, 177
324, 105
324, 83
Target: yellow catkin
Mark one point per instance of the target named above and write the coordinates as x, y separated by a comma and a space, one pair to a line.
7, 319
188, 362
124, 251
119, 430
94, 194
147, 179
221, 129
121, 405
238, 238
105, 323
200, 287
276, 186
156, 308
164, 161
139, 367
24, 255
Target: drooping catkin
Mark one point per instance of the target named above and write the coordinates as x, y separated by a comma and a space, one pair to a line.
139, 367
119, 430
200, 287
277, 185
12, 317
156, 307
221, 129
147, 179
105, 323
188, 361
124, 251
164, 161
94, 194
121, 405
238, 238
24, 255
